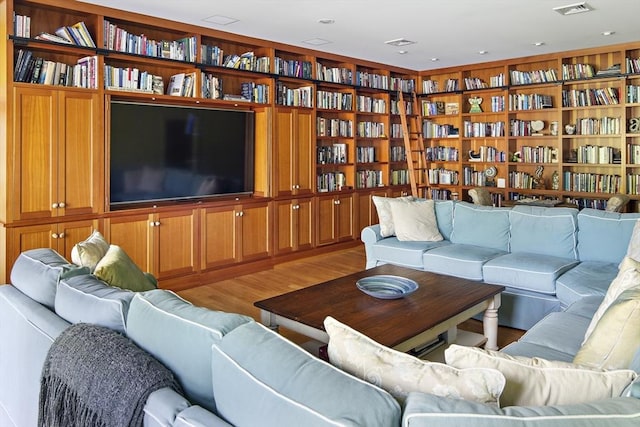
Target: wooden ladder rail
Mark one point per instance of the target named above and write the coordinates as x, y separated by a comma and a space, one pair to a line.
416, 160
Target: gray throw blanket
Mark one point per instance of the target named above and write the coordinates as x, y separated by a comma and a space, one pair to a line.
94, 376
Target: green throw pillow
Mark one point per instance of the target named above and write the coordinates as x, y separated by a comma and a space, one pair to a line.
117, 269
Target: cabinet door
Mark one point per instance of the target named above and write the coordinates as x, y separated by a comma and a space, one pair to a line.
133, 234
79, 153
60, 237
345, 217
293, 151
255, 232
176, 249
35, 152
367, 214
326, 220
304, 223
218, 238
294, 225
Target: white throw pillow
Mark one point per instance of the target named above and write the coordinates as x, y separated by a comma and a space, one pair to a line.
384, 213
400, 373
633, 250
616, 338
539, 382
415, 221
627, 278
90, 251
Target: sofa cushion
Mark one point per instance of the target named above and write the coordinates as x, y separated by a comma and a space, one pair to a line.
604, 236
484, 226
90, 251
400, 373
36, 273
263, 379
616, 337
180, 335
585, 279
87, 299
117, 269
426, 410
408, 254
544, 231
415, 221
536, 382
528, 271
385, 217
444, 217
628, 277
459, 260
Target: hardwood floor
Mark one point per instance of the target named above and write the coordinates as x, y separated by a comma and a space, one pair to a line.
238, 294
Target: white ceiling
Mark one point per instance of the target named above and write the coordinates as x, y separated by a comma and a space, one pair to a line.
454, 31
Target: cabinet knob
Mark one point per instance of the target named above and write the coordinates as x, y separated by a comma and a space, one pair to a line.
152, 224
157, 223
296, 206
54, 206
336, 202
240, 213
61, 235
54, 235
61, 205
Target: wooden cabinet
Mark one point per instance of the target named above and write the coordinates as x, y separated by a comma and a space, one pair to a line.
293, 148
59, 236
162, 243
57, 151
233, 234
335, 218
367, 214
294, 228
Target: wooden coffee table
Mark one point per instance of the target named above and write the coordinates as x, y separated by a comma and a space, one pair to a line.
437, 307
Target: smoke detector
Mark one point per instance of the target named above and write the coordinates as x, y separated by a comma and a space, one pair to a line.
573, 9
399, 42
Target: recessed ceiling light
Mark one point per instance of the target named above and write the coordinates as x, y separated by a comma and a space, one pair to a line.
326, 21
434, 59
399, 42
538, 44
402, 52
608, 33
220, 20
482, 52
316, 42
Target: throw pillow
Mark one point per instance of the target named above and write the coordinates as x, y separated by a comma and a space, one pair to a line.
88, 252
616, 337
415, 221
117, 269
633, 250
628, 277
384, 213
539, 382
400, 373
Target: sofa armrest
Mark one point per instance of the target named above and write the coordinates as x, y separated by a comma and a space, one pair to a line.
162, 407
197, 416
371, 234
422, 410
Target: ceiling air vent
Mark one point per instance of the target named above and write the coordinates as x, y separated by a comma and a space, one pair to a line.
399, 42
572, 9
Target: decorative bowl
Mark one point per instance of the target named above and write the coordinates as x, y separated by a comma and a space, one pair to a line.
386, 286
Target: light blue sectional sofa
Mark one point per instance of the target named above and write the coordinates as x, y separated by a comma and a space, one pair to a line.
234, 371
546, 257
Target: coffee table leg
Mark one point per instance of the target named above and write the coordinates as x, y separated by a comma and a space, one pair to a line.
490, 323
269, 319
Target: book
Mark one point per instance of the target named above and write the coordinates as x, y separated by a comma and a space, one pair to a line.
451, 108
84, 33
157, 85
175, 84
53, 38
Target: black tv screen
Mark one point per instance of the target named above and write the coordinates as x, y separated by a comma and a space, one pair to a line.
165, 152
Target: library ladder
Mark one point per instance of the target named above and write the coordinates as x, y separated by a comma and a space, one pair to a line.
413, 143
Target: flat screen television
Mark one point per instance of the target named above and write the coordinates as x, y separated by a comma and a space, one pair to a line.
170, 153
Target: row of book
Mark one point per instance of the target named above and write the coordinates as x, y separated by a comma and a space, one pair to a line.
334, 127
334, 100
436, 108
397, 130
294, 97
397, 153
371, 130
182, 84
633, 154
472, 177
212, 86
442, 176
598, 126
535, 76
330, 181
247, 61
34, 69
486, 153
132, 79
21, 25
293, 68
399, 177
77, 34
520, 128
395, 107
120, 40
367, 104
577, 71
331, 154
591, 182
334, 74
538, 154
441, 154
433, 86
633, 184
633, 94
596, 154
369, 178
519, 179
529, 101
483, 129
402, 84
436, 130
372, 80
366, 154
589, 97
